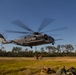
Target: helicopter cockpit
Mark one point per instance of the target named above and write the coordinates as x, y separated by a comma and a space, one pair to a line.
48, 37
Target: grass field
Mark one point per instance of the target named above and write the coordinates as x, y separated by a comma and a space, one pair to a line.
31, 66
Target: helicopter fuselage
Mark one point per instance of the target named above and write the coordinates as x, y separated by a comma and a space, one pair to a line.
34, 40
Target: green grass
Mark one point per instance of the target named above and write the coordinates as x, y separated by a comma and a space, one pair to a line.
31, 66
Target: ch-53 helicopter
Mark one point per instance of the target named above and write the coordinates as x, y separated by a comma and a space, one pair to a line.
33, 38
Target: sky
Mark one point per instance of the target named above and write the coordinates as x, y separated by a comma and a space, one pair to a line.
32, 12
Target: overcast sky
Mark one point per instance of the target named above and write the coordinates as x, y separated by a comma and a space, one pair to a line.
32, 12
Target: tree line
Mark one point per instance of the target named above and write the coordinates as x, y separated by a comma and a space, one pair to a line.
47, 51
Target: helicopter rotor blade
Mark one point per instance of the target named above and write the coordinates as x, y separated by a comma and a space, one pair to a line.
20, 24
10, 31
58, 39
57, 29
45, 22
55, 34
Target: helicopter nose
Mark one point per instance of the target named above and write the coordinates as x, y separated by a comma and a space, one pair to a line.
52, 38
53, 41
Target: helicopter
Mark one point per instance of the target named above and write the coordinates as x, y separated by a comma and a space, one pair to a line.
33, 38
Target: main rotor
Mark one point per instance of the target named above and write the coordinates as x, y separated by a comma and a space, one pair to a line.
44, 23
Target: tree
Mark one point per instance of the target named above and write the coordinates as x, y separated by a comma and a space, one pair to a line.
26, 50
42, 50
58, 49
49, 48
16, 49
69, 48
54, 49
